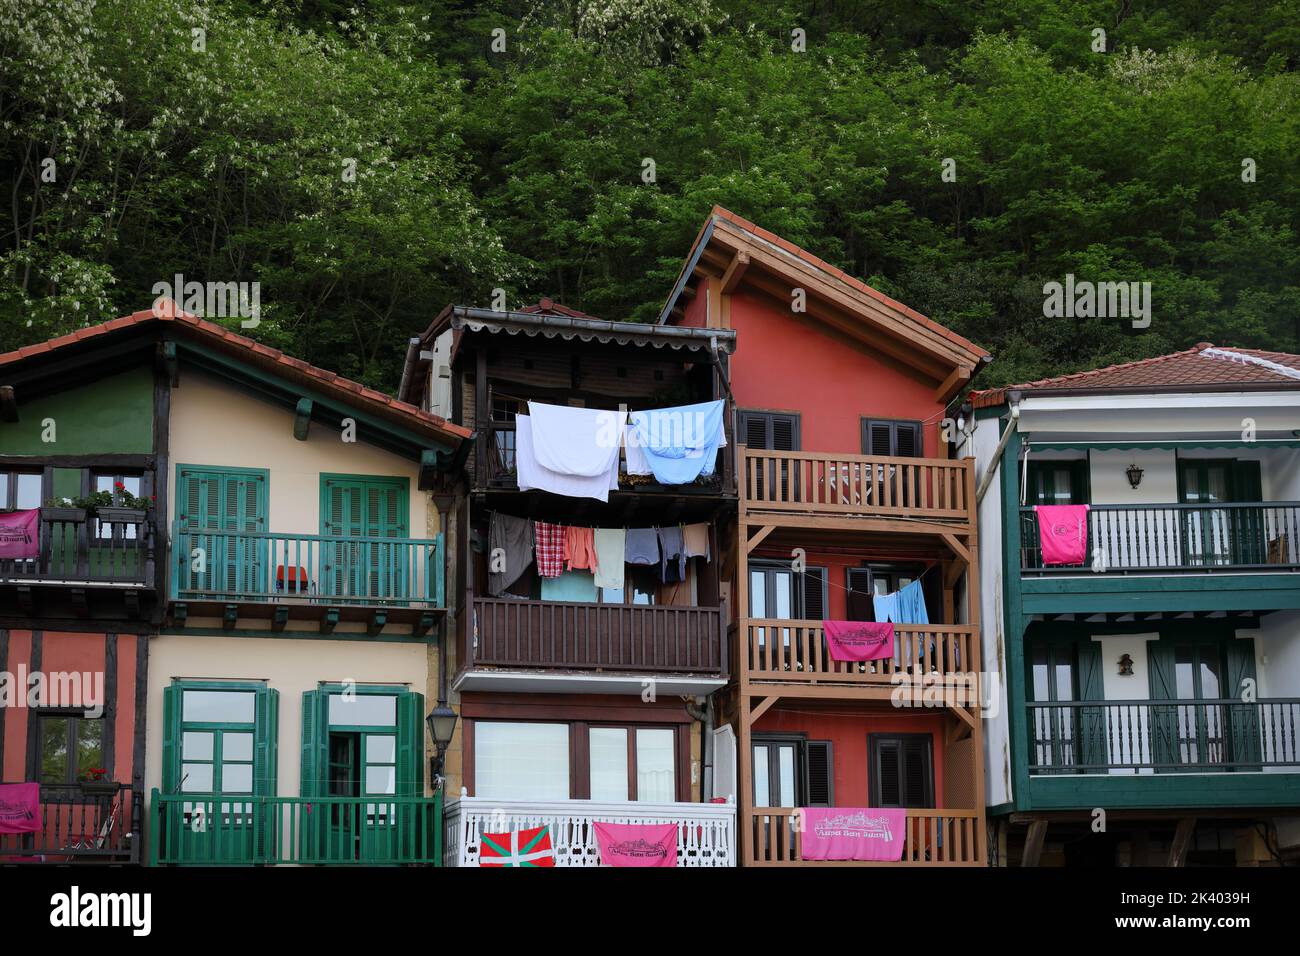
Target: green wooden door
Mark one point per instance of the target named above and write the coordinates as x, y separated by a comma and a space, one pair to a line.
1217, 536
363, 507
217, 509
1203, 736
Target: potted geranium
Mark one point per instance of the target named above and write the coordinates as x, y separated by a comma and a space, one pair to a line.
74, 510
95, 780
119, 506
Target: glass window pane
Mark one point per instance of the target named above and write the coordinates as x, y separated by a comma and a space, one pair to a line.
655, 765
782, 585
608, 763
758, 593
1209, 674
381, 749
196, 778
218, 706
196, 745
1184, 674
90, 744
54, 749
29, 492
363, 710
237, 746
520, 761
762, 788
785, 769
237, 778
381, 780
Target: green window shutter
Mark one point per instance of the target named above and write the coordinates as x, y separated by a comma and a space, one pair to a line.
171, 752
1092, 745
1163, 719
410, 745
315, 744
266, 747
1242, 718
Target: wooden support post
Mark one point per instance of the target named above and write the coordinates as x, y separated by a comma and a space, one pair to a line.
1034, 844
329, 621
1182, 841
279, 617
229, 616
302, 419
377, 621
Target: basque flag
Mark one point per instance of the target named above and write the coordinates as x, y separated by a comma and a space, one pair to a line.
517, 848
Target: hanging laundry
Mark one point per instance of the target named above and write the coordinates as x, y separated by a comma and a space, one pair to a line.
695, 539
570, 586
20, 535
20, 808
579, 550
1063, 533
610, 544
904, 606
843, 833
629, 844
531, 474
673, 562
859, 640
512, 539
576, 441
680, 443
642, 546
634, 453
517, 848
549, 540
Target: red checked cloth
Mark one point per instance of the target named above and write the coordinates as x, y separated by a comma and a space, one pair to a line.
517, 848
549, 553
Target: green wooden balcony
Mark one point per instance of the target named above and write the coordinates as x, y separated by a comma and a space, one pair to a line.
307, 569
200, 830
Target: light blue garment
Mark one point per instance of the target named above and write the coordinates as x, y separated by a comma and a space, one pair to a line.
680, 443
570, 586
904, 606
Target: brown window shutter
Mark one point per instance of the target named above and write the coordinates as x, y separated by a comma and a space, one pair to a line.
820, 767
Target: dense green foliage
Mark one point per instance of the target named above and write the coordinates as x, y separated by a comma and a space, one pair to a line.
522, 169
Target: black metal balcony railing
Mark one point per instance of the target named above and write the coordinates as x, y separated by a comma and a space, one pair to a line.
74, 548
1163, 736
78, 826
1178, 537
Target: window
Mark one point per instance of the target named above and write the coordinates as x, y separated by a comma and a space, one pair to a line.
777, 591
132, 484
633, 763
20, 490
774, 431
792, 772
902, 770
866, 583
362, 745
1057, 482
888, 438
521, 761
640, 586
219, 738
71, 745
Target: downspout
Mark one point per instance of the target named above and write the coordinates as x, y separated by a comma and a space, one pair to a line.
705, 716
987, 479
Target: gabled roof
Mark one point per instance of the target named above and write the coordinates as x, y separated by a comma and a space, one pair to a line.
255, 354
1204, 367
750, 248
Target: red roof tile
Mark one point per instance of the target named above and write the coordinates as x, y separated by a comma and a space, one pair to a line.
1202, 366
287, 366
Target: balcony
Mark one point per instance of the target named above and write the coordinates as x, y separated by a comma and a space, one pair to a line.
706, 832
1177, 539
616, 640
945, 656
78, 826
933, 838
813, 484
309, 575
188, 830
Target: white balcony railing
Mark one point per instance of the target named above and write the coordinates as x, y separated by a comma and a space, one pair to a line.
706, 832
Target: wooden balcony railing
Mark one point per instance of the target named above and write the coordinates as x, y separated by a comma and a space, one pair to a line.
578, 636
1177, 538
932, 838
320, 569
80, 826
791, 481
706, 832
187, 829
793, 651
1164, 736
81, 549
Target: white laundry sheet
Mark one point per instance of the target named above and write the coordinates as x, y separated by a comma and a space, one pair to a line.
531, 474
582, 442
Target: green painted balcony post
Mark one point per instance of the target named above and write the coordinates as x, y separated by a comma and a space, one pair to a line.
154, 828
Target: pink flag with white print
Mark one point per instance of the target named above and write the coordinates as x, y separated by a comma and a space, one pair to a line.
853, 833
19, 535
1063, 533
20, 807
859, 640
629, 844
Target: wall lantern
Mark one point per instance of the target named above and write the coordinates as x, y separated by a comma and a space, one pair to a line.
441, 722
1134, 475
1125, 666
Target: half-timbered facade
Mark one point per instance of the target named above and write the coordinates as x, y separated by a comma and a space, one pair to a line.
846, 494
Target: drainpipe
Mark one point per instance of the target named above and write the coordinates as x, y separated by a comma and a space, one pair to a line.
987, 480
705, 716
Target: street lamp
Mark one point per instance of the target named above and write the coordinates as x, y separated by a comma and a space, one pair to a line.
442, 724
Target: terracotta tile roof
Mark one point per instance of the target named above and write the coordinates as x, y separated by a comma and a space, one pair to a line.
548, 306
1202, 366
273, 360
840, 275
